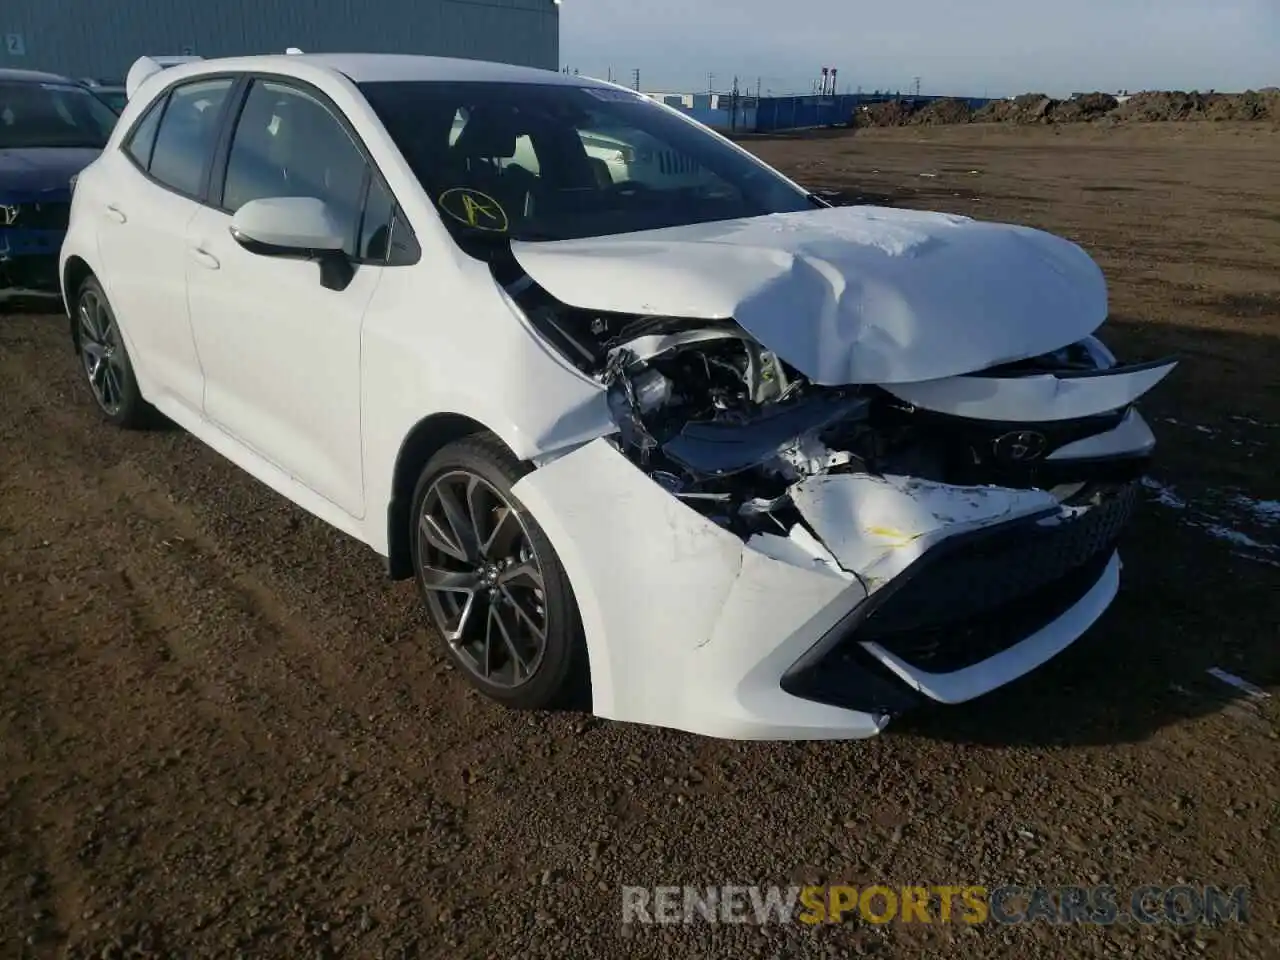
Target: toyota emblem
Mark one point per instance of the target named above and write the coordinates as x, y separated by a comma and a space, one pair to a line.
1021, 446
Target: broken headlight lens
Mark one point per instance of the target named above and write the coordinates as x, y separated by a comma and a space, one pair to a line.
1099, 352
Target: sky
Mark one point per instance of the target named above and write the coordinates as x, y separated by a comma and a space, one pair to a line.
974, 48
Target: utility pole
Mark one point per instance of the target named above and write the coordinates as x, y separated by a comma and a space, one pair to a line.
635, 76
759, 83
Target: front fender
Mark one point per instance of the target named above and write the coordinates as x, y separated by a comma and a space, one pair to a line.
489, 368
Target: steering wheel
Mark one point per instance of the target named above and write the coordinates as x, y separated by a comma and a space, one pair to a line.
632, 188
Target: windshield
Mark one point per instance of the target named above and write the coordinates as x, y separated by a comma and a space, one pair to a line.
52, 115
117, 100
557, 162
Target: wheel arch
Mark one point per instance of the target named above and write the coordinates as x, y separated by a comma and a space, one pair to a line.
74, 273
427, 438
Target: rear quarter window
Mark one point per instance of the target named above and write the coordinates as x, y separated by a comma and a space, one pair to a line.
142, 137
185, 139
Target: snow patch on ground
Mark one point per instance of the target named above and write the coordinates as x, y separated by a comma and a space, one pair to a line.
1165, 496
1266, 512
1234, 537
1221, 515
1249, 421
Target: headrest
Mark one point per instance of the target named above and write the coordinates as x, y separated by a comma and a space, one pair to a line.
489, 133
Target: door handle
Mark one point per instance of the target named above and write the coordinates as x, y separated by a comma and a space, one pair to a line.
205, 258
116, 213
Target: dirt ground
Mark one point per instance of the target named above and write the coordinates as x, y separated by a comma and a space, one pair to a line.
222, 733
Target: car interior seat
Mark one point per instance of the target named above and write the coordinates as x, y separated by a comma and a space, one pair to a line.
489, 137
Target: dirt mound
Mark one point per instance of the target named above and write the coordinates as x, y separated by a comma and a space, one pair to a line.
942, 111
1028, 108
1149, 107
1250, 105
1156, 106
1083, 109
892, 113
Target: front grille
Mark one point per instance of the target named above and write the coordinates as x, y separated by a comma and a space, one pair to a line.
955, 646
53, 215
964, 601
979, 452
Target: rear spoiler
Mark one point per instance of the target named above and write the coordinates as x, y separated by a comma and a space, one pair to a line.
145, 67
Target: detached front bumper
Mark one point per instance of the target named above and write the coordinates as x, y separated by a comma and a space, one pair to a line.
689, 627
974, 613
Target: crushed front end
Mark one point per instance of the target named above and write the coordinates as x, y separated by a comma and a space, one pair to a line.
761, 556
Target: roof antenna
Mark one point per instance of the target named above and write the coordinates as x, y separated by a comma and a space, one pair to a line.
292, 51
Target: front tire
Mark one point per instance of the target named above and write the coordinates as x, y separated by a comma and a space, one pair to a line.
105, 360
492, 583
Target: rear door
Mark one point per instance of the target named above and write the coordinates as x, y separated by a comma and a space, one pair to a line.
145, 205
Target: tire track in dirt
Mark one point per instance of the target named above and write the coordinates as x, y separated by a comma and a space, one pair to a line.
145, 575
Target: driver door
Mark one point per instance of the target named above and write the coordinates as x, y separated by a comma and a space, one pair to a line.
280, 352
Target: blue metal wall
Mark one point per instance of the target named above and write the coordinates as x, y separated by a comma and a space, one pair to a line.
796, 113
103, 39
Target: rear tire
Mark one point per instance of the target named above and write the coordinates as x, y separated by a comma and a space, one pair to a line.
104, 359
491, 582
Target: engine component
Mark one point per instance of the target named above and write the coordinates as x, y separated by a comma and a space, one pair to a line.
719, 449
652, 391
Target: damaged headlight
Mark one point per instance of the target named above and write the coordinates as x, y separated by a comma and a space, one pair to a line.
1099, 352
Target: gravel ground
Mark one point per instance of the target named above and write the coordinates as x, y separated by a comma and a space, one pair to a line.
223, 733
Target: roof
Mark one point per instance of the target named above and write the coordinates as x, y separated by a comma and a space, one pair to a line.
32, 76
375, 67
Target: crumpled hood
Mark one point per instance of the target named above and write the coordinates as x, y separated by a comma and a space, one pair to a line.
41, 173
846, 294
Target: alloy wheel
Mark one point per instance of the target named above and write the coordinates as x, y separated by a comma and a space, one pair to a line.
102, 352
483, 579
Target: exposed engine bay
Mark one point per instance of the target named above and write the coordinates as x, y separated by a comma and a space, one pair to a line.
728, 427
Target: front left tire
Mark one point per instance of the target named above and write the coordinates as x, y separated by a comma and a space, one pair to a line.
492, 583
105, 361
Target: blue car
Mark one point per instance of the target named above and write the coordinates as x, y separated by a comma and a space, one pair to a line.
51, 128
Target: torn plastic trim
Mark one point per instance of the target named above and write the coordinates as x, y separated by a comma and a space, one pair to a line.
799, 548
1035, 398
876, 527
841, 651
1013, 662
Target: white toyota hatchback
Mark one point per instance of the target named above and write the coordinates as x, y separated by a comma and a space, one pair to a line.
647, 421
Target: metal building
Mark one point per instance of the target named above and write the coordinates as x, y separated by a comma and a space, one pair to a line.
94, 38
